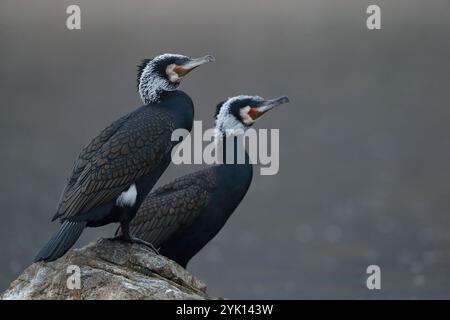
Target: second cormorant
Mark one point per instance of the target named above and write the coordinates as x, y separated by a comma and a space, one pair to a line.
182, 216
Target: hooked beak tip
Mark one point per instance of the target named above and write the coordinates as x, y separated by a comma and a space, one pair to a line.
284, 99
210, 58
277, 101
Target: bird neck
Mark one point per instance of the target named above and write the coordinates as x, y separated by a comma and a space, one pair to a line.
236, 172
152, 87
233, 151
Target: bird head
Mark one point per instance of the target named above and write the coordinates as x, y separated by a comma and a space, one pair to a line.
240, 112
164, 73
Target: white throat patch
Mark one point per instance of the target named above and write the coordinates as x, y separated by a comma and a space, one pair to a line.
173, 76
245, 116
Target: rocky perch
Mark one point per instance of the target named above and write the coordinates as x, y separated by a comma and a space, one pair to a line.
107, 270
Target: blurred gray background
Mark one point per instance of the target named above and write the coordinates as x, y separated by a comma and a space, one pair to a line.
365, 151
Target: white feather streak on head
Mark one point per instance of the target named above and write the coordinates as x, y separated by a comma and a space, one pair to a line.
151, 84
227, 123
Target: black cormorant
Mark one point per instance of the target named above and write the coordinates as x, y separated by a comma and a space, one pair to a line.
117, 169
182, 216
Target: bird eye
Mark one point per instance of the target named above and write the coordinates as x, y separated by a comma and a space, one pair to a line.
251, 110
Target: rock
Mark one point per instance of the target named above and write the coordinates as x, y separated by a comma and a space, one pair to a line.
109, 270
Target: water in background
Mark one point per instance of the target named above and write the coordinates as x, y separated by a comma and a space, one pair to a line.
365, 150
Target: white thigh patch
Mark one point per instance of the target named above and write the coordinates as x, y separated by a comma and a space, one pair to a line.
127, 198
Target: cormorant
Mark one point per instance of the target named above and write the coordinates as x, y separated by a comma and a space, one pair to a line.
182, 216
119, 167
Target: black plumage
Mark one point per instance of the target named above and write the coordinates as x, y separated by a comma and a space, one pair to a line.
129, 149
118, 168
174, 206
181, 217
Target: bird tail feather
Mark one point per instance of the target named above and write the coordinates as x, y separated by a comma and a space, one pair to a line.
62, 241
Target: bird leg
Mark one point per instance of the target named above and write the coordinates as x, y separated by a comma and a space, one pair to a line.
126, 237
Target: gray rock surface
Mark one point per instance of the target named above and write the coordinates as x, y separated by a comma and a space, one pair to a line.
108, 270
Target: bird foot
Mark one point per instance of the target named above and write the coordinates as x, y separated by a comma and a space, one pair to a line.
135, 240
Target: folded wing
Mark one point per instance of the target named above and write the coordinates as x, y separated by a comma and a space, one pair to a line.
122, 153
